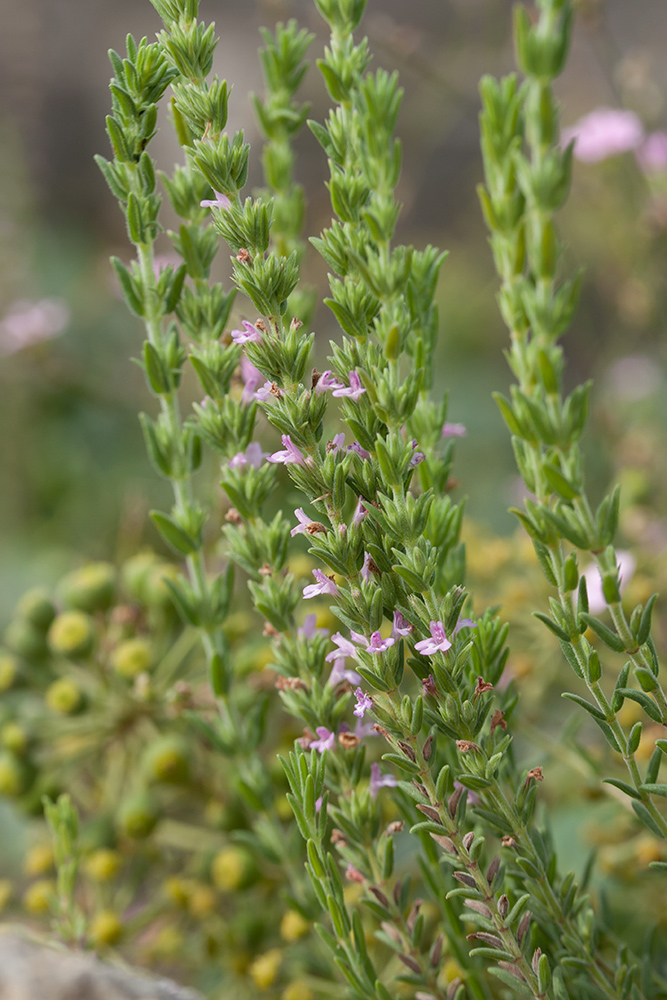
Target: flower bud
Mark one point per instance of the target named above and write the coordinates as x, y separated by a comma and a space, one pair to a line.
37, 608
23, 638
158, 594
167, 759
90, 588
202, 901
293, 926
106, 928
37, 897
132, 657
135, 574
298, 990
264, 970
14, 737
103, 864
64, 696
72, 634
9, 667
38, 860
138, 815
233, 868
14, 775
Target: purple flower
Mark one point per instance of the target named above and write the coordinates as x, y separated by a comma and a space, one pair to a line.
221, 201
318, 803
652, 155
264, 392
464, 623
401, 625
378, 644
364, 729
473, 799
626, 564
365, 572
327, 380
602, 133
309, 628
357, 637
364, 703
304, 521
291, 454
355, 390
345, 648
324, 585
29, 323
417, 456
361, 452
253, 455
380, 780
428, 686
359, 513
454, 430
336, 443
340, 673
438, 641
248, 335
326, 739
252, 378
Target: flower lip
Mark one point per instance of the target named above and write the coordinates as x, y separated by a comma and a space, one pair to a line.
324, 585
290, 455
437, 643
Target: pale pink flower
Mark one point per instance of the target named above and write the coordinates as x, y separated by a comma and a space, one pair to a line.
380, 780
326, 740
328, 380
309, 628
359, 513
401, 625
248, 335
361, 452
324, 585
340, 673
437, 642
345, 648
291, 454
626, 564
220, 201
29, 323
253, 455
355, 389
364, 703
252, 378
454, 430
603, 133
652, 154
378, 644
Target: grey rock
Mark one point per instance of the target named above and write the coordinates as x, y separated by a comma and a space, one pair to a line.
31, 969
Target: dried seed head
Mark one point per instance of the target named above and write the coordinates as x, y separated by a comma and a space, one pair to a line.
430, 812
275, 390
478, 906
314, 378
465, 879
454, 800
492, 870
338, 837
427, 748
523, 926
407, 750
482, 687
436, 951
244, 257
394, 827
290, 684
414, 913
270, 630
353, 874
233, 516
315, 528
498, 719
537, 955
535, 774
380, 896
381, 731
465, 746
508, 841
468, 839
348, 741
260, 324
503, 906
265, 570
446, 844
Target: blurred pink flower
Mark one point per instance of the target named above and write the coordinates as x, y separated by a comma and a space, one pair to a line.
652, 154
626, 563
602, 133
29, 323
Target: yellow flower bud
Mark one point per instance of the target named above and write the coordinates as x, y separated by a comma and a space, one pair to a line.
132, 657
178, 890
103, 864
203, 901
298, 990
23, 638
232, 868
38, 896
167, 759
38, 860
14, 737
167, 942
72, 634
157, 593
14, 775
64, 696
293, 926
264, 970
106, 928
135, 573
90, 588
37, 608
9, 667
138, 815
